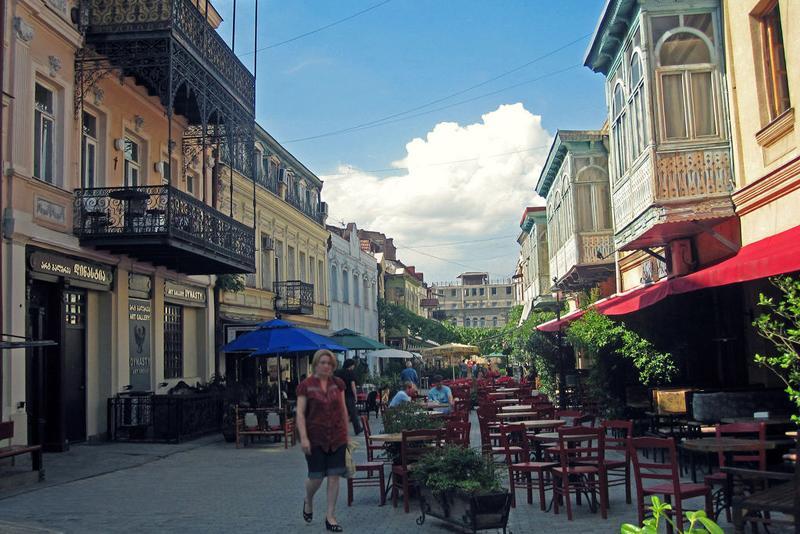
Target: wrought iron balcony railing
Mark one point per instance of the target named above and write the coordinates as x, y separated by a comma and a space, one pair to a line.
294, 297
309, 209
165, 226
139, 18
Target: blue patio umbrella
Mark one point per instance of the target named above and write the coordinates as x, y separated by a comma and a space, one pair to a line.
278, 337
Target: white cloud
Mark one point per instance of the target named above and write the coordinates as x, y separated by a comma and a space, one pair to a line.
498, 161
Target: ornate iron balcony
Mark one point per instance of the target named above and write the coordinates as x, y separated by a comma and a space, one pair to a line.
142, 22
310, 210
294, 297
164, 226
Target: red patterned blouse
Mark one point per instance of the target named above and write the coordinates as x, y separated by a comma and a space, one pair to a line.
325, 416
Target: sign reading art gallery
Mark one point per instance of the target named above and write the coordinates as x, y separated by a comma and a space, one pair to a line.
185, 294
44, 262
140, 329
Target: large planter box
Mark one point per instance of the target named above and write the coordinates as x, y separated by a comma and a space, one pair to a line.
473, 512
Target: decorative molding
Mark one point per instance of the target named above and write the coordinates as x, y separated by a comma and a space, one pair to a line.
60, 5
24, 30
98, 94
782, 125
55, 65
768, 188
138, 123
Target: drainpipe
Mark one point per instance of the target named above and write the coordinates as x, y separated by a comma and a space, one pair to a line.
2, 177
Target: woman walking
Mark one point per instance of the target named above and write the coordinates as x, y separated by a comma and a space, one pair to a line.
322, 423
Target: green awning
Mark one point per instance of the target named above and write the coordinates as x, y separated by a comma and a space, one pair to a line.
355, 341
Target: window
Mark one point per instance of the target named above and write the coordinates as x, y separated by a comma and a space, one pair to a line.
474, 291
173, 341
452, 292
334, 283
132, 163
508, 290
345, 288
366, 295
266, 263
685, 72
481, 291
466, 323
89, 151
774, 61
593, 203
278, 261
190, 184
44, 135
312, 278
636, 108
483, 322
494, 321
320, 281
291, 273
494, 291
303, 267
356, 299
618, 130
466, 292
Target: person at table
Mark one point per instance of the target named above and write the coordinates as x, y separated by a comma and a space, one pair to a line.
348, 376
404, 395
409, 374
322, 424
440, 393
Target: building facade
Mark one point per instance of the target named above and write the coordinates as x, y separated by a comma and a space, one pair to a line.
474, 301
111, 239
533, 265
291, 242
574, 183
353, 283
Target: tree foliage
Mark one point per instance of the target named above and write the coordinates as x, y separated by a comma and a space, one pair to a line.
397, 320
780, 325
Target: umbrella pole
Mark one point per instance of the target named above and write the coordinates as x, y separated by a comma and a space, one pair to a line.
279, 381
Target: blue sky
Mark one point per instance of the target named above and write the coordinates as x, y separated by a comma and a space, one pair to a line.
401, 55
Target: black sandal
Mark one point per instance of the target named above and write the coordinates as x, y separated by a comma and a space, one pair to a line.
332, 528
308, 517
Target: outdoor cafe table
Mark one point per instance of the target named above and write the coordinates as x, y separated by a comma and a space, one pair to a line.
769, 421
506, 401
507, 390
726, 446
542, 423
501, 394
517, 408
397, 437
509, 415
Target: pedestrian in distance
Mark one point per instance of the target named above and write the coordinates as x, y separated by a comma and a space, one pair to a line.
348, 376
404, 395
322, 424
409, 374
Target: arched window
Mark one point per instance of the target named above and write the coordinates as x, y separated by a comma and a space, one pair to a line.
592, 200
483, 322
686, 72
345, 287
466, 322
494, 321
334, 283
356, 299
636, 107
618, 132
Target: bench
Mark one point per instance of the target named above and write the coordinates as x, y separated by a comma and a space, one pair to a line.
12, 451
262, 426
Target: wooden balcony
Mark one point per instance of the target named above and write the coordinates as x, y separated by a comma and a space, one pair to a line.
668, 195
163, 226
585, 259
294, 297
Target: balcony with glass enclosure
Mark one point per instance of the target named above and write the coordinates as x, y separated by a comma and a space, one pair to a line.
670, 165
574, 183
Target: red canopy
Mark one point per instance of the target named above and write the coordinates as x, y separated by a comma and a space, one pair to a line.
771, 256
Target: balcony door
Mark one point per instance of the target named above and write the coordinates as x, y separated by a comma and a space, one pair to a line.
89, 151
132, 162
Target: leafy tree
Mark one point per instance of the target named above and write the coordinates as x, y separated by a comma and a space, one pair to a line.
781, 326
397, 320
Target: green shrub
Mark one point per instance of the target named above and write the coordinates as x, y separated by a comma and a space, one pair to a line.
409, 416
459, 469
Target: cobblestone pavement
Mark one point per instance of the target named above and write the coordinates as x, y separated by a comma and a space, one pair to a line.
210, 486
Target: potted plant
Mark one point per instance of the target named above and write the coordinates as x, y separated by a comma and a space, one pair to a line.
407, 416
460, 486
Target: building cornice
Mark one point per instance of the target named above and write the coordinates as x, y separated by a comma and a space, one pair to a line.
770, 187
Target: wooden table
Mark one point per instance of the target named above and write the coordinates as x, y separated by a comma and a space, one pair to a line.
542, 423
517, 408
397, 438
767, 421
505, 401
504, 390
726, 446
508, 415
433, 405
499, 394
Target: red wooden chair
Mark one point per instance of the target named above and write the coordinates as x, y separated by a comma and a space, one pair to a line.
520, 466
372, 445
618, 470
414, 445
665, 477
755, 459
457, 433
581, 468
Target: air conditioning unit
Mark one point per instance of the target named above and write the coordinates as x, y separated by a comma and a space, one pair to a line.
282, 178
267, 243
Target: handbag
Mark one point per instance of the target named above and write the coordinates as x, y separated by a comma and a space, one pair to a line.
350, 465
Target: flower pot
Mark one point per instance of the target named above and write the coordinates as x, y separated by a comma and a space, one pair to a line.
471, 511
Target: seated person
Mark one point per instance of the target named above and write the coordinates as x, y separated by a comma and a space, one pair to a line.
440, 393
404, 395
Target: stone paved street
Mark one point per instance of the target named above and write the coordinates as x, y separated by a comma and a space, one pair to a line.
209, 486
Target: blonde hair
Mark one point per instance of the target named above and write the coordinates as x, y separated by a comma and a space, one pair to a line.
319, 355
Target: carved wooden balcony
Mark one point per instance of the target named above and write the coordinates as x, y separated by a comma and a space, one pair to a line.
163, 226
294, 297
585, 259
672, 194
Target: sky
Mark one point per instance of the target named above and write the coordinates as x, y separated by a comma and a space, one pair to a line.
427, 120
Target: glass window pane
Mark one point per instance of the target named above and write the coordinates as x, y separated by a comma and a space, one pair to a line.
660, 25
674, 106
583, 198
602, 206
619, 100
636, 71
684, 49
702, 22
703, 104
47, 150
44, 99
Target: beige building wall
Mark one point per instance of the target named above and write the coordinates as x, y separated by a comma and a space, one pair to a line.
766, 155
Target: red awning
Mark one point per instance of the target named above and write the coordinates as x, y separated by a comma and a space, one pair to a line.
771, 256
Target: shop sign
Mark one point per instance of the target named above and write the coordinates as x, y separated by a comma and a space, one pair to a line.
45, 210
189, 294
44, 262
140, 313
139, 285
